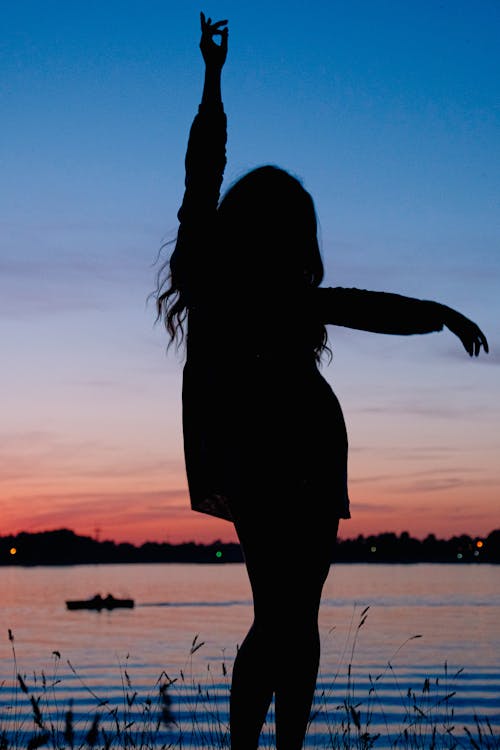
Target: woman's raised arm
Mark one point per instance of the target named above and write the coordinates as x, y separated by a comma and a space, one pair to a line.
205, 162
206, 151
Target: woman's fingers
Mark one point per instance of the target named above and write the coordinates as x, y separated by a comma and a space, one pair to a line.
213, 53
474, 344
207, 25
469, 334
483, 341
479, 340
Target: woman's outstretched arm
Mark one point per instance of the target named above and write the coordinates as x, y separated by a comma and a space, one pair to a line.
205, 162
382, 312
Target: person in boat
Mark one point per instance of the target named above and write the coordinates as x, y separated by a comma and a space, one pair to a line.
264, 436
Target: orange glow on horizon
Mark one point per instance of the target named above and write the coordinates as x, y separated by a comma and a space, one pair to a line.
142, 508
183, 525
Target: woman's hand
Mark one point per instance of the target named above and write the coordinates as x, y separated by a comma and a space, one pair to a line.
214, 54
468, 332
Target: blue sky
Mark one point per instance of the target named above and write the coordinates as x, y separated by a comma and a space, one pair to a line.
388, 111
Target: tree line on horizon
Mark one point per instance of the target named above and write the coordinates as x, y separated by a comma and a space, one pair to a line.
65, 547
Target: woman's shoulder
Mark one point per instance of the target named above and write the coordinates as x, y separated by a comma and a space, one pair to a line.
324, 296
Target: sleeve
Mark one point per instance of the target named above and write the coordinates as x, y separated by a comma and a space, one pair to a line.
379, 312
205, 162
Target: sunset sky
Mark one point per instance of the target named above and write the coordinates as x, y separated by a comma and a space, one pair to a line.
388, 111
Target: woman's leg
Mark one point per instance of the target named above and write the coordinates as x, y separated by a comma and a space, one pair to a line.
287, 557
252, 688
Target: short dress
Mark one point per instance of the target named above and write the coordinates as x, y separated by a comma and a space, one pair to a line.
259, 419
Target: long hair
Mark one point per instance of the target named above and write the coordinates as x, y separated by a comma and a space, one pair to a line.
266, 226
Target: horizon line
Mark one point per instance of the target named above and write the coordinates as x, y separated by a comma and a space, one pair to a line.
220, 542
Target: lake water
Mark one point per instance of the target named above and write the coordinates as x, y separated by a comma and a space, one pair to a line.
454, 609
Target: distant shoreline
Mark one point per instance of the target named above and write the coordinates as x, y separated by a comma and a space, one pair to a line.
63, 547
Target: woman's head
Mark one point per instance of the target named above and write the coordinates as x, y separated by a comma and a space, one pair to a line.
263, 244
266, 223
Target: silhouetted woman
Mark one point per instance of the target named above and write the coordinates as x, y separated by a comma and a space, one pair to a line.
264, 436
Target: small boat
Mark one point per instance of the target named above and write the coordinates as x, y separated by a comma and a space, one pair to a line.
98, 602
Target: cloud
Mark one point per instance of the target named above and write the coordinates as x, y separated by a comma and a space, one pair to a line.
437, 484
58, 280
428, 480
422, 453
371, 479
25, 298
431, 409
483, 360
375, 507
107, 509
42, 459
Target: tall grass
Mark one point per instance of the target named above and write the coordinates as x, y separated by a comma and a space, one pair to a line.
31, 715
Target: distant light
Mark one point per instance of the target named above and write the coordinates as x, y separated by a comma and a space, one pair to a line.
218, 553
476, 553
479, 543
13, 550
459, 556
373, 549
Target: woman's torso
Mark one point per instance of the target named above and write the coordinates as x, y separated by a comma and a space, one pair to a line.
256, 404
